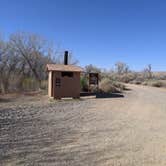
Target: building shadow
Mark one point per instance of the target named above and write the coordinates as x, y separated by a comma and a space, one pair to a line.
102, 95
109, 95
5, 100
85, 94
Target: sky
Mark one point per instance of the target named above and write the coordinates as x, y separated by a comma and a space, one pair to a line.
99, 32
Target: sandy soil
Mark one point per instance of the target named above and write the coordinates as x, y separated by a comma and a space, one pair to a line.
129, 131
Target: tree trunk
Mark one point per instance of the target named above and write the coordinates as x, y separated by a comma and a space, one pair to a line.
39, 83
3, 87
20, 84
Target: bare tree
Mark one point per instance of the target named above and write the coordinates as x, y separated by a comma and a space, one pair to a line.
58, 57
121, 68
8, 65
34, 50
91, 68
3, 63
23, 58
148, 72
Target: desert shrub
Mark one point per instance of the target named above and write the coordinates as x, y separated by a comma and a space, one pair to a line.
139, 79
119, 86
108, 86
147, 72
145, 83
157, 84
164, 84
121, 68
160, 75
93, 88
126, 77
163, 77
137, 82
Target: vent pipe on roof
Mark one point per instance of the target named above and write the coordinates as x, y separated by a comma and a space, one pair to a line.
66, 58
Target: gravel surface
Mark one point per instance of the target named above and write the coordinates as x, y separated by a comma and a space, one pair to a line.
125, 131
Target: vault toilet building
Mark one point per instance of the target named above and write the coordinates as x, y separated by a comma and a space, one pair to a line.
64, 79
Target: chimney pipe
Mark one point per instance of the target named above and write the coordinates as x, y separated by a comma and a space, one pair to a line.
66, 58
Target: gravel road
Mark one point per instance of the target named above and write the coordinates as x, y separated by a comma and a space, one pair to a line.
126, 131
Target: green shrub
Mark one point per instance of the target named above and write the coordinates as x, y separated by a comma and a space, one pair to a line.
44, 85
84, 83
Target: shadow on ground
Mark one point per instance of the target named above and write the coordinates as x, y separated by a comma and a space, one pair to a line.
102, 95
109, 95
5, 100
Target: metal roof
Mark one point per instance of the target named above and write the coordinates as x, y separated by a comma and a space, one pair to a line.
61, 67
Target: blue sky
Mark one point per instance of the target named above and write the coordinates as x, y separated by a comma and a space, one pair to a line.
99, 32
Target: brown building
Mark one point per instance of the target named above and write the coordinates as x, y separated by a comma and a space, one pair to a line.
63, 80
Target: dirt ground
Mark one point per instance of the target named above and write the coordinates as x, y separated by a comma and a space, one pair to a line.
125, 131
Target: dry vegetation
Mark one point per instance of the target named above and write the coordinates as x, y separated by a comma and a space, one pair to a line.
115, 80
23, 60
